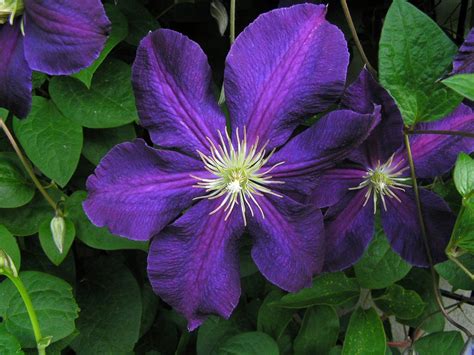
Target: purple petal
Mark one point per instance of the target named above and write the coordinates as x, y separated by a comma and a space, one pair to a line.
320, 147
387, 137
173, 88
63, 37
401, 225
288, 242
15, 74
435, 154
334, 184
193, 264
464, 60
349, 230
137, 190
286, 66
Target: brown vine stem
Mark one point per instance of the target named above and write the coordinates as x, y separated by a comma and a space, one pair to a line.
27, 165
424, 235
449, 133
348, 16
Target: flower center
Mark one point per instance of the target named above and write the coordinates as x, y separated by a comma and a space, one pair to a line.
239, 174
9, 9
381, 182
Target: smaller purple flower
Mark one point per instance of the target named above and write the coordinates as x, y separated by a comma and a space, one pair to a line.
286, 66
377, 176
464, 60
51, 36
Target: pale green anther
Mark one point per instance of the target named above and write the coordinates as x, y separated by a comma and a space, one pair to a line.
9, 9
381, 181
239, 175
6, 264
58, 230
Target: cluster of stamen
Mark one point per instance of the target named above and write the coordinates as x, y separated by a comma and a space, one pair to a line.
239, 174
9, 9
381, 182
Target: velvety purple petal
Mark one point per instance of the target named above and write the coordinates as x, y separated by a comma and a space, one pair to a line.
63, 37
193, 264
334, 184
286, 66
288, 242
349, 228
387, 137
464, 60
401, 225
173, 88
137, 190
320, 147
435, 154
15, 74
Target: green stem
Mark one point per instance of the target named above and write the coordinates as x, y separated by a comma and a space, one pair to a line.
27, 165
232, 22
424, 235
348, 16
29, 308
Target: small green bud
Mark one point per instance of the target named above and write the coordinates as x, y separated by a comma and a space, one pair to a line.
58, 230
9, 9
44, 342
6, 264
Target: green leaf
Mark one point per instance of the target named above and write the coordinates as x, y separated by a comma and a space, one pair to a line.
117, 34
52, 142
98, 142
413, 54
213, 333
431, 319
330, 289
89, 234
140, 20
464, 174
52, 300
380, 266
318, 332
149, 308
38, 79
15, 188
453, 273
272, 320
251, 343
10, 246
463, 84
47, 242
463, 234
440, 343
26, 220
111, 308
108, 103
404, 304
365, 334
8, 343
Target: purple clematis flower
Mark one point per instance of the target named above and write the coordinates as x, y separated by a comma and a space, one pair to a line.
286, 66
51, 36
377, 175
464, 60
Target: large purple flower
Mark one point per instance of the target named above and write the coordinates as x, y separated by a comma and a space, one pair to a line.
286, 66
377, 175
464, 60
50, 36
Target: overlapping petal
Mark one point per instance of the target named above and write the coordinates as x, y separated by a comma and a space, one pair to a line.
387, 137
137, 190
193, 264
63, 37
320, 147
173, 88
435, 154
15, 74
286, 66
288, 242
349, 230
402, 227
464, 60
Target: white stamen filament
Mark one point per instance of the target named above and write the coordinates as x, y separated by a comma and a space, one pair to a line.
238, 174
381, 181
